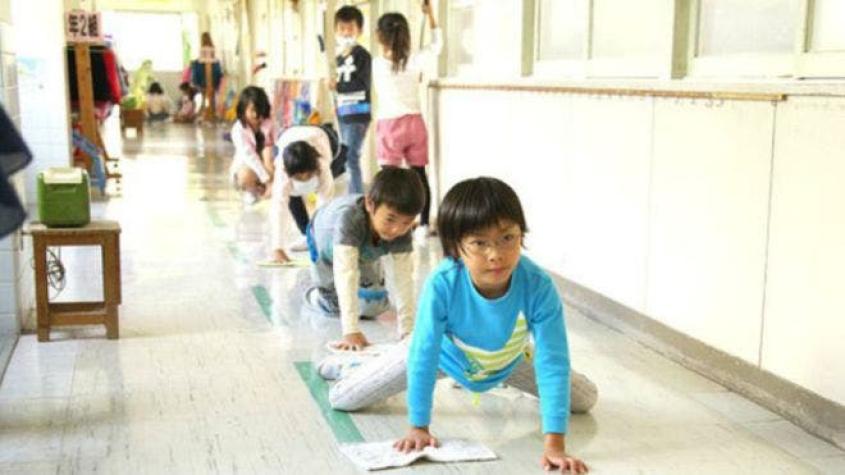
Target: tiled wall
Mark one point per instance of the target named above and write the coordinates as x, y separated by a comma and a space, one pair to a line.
42, 92
43, 87
10, 247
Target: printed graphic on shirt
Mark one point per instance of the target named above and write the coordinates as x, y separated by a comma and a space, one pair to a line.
344, 71
485, 363
347, 98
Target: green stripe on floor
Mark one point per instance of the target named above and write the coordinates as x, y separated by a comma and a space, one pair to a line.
216, 220
236, 252
341, 423
264, 300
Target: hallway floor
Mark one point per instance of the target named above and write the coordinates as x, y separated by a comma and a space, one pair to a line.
212, 372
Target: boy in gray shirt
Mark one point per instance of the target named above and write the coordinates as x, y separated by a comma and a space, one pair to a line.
347, 237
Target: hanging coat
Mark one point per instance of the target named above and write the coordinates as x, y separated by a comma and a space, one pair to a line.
14, 155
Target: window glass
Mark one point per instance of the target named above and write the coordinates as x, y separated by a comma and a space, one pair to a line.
747, 26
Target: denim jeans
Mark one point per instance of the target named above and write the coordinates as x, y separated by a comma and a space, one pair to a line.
352, 135
296, 205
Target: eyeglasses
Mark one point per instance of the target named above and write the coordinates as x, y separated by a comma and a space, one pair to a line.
480, 247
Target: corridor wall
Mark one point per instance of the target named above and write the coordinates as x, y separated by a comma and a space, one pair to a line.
721, 219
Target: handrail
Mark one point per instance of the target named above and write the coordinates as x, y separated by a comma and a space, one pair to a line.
615, 91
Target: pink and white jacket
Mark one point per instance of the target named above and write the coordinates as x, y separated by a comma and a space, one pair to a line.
245, 154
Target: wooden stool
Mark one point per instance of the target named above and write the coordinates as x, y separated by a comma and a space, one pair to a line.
132, 118
105, 234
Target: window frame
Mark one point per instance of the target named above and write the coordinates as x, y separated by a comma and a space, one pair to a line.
808, 64
756, 65
588, 66
475, 71
552, 68
800, 63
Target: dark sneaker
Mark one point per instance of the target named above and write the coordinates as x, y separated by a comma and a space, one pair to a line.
314, 302
373, 308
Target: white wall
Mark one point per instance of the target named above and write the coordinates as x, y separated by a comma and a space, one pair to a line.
804, 328
10, 249
663, 205
709, 204
39, 28
34, 78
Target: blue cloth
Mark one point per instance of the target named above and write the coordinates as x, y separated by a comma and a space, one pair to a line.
352, 135
198, 74
353, 109
450, 309
313, 253
98, 167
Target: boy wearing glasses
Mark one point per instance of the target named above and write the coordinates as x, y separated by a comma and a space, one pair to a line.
477, 314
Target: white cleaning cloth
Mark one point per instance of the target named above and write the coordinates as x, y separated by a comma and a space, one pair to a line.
291, 263
381, 455
369, 350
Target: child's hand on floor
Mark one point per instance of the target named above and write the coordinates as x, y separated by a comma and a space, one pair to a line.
555, 457
351, 342
417, 438
280, 257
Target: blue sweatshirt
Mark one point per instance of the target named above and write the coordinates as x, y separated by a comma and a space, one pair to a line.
479, 342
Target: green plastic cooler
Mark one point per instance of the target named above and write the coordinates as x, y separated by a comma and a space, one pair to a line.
63, 197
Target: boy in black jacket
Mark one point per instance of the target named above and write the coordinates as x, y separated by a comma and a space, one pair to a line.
353, 89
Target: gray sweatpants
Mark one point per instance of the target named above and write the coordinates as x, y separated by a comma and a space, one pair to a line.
371, 292
385, 376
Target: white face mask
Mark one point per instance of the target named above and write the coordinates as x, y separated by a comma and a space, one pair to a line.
302, 188
344, 42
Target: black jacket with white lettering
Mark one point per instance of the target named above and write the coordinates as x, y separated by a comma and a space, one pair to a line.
354, 76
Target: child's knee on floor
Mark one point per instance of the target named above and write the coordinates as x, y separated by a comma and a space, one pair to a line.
352, 232
247, 179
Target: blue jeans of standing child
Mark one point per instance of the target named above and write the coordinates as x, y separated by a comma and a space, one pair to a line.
352, 135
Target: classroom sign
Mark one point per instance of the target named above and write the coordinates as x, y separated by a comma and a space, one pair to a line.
83, 27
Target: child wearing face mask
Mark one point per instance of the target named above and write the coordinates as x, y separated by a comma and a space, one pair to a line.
305, 155
353, 89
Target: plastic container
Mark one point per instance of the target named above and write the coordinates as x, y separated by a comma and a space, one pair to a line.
64, 197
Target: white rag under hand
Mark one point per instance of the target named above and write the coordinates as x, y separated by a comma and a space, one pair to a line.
381, 455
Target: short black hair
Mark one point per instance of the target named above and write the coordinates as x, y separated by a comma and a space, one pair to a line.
348, 13
155, 88
186, 87
398, 188
258, 98
299, 157
474, 205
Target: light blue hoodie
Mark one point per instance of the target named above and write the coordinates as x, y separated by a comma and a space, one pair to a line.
478, 341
